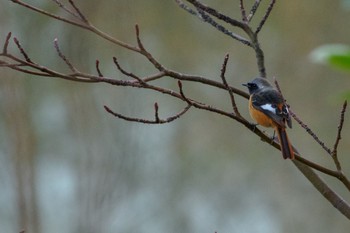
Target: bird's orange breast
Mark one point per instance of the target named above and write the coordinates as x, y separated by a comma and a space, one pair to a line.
260, 117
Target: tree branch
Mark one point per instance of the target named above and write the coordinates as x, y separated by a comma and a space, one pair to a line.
205, 13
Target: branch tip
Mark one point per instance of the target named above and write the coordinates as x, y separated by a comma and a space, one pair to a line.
81, 15
243, 13
156, 115
7, 41
98, 68
340, 128
253, 10
227, 87
62, 56
267, 14
19, 46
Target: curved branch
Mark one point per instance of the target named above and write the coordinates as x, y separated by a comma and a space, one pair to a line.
28, 66
144, 121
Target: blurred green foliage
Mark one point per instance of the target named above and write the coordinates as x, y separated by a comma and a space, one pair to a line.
336, 55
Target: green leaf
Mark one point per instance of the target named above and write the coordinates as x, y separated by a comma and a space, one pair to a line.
336, 55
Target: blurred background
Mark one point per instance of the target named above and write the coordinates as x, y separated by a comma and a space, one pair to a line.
68, 166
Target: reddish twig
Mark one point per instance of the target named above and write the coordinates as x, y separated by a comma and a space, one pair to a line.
144, 121
303, 125
340, 127
243, 13
204, 12
63, 7
129, 74
232, 97
6, 44
20, 48
81, 15
156, 114
63, 57
144, 52
97, 65
310, 132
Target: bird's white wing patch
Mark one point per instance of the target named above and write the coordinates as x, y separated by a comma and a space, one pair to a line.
268, 107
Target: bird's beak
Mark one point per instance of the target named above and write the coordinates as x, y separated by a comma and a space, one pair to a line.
245, 84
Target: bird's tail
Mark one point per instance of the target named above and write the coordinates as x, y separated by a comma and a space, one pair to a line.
286, 147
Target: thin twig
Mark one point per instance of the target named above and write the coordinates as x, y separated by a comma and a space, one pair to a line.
340, 127
6, 44
144, 52
253, 10
63, 57
156, 114
303, 125
206, 18
232, 97
97, 65
81, 15
63, 7
129, 74
19, 46
189, 102
144, 121
310, 132
186, 8
243, 13
217, 14
84, 25
267, 14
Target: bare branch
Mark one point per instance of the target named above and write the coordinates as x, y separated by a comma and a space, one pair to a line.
41, 11
189, 102
340, 127
84, 25
156, 114
81, 15
205, 13
216, 14
223, 71
186, 8
253, 10
243, 13
206, 18
97, 65
335, 199
6, 44
144, 52
310, 132
317, 167
25, 55
63, 57
267, 14
63, 7
129, 74
144, 121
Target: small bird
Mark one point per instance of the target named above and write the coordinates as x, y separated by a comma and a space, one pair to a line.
267, 108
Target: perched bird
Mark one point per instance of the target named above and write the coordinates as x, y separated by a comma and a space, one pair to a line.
267, 108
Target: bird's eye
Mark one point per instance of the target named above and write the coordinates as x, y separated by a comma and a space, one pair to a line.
253, 85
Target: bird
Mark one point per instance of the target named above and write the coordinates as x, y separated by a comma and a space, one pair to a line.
267, 107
